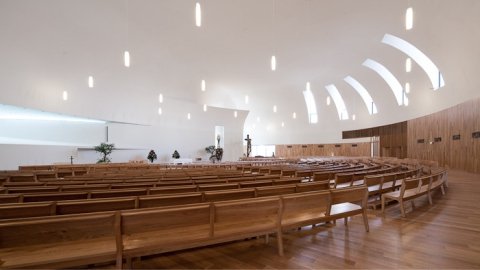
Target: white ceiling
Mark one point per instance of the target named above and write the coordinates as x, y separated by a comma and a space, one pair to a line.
61, 43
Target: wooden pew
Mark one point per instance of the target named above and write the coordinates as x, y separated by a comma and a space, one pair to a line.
10, 198
25, 190
208, 187
56, 196
224, 195
23, 210
410, 189
170, 199
173, 189
95, 205
274, 190
256, 183
313, 186
117, 193
347, 202
154, 231
60, 242
302, 209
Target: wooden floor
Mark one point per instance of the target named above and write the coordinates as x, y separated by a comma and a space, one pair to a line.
444, 235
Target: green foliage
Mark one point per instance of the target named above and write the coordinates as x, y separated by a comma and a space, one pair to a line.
210, 149
152, 156
105, 149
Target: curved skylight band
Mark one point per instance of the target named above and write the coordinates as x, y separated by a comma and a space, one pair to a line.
338, 100
9, 112
311, 106
419, 57
394, 84
372, 108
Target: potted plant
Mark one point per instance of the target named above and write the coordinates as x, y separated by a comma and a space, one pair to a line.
105, 149
151, 156
175, 155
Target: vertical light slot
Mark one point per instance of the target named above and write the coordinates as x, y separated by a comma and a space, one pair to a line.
189, 116
311, 106
203, 86
160, 98
362, 91
235, 114
409, 18
283, 124
126, 59
328, 101
159, 111
198, 15
354, 117
294, 115
90, 81
258, 119
273, 63
407, 88
204, 107
246, 99
408, 65
419, 57
388, 77
274, 108
65, 95
307, 86
338, 100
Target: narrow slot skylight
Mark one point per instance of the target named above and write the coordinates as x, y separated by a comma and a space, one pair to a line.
273, 63
408, 64
65, 95
90, 81
160, 98
338, 100
311, 106
367, 99
198, 15
203, 86
409, 18
126, 59
389, 78
433, 73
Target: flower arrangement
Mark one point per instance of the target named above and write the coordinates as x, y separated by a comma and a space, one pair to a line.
175, 155
151, 156
105, 149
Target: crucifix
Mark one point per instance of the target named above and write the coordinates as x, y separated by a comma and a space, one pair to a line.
249, 145
71, 159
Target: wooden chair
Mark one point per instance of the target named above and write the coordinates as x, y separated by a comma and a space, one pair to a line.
60, 242
343, 180
347, 202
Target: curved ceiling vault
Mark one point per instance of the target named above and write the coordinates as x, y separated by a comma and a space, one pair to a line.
280, 60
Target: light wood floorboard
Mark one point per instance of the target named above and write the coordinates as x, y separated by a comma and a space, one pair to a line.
444, 235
